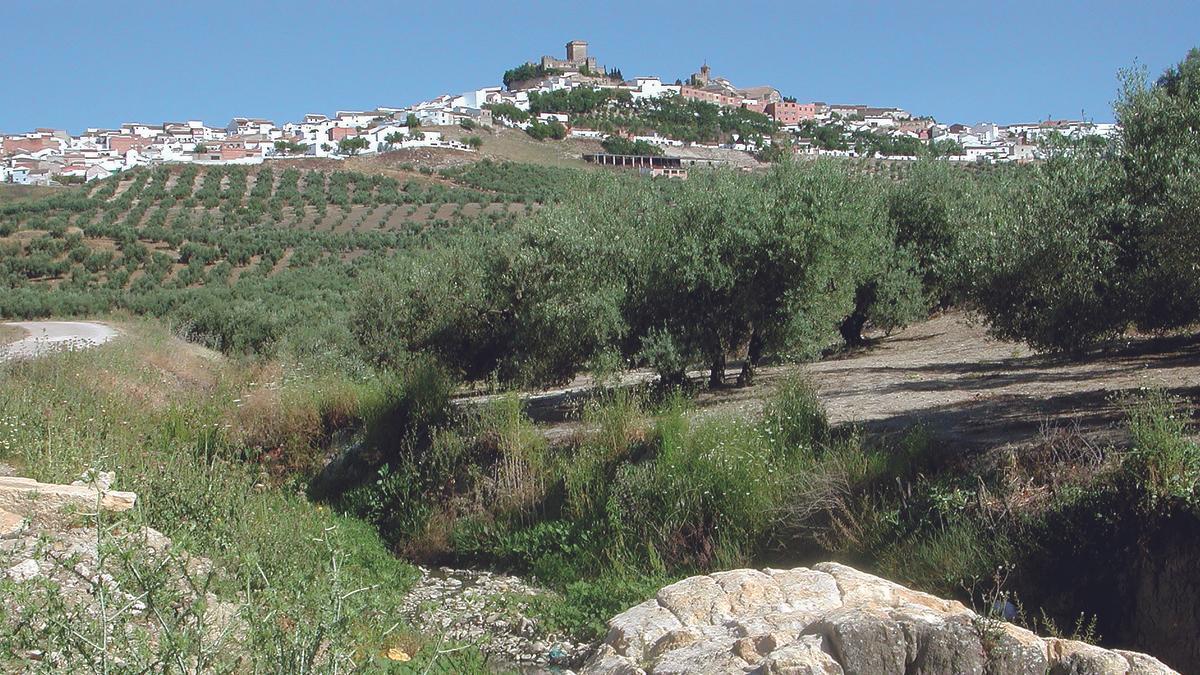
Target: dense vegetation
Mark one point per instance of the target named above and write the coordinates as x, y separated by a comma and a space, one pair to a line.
619, 145
667, 274
651, 493
526, 71
1104, 238
232, 257
673, 116
577, 101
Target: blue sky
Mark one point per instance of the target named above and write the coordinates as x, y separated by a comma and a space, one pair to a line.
78, 64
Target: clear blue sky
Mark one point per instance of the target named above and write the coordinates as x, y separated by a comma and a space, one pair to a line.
78, 64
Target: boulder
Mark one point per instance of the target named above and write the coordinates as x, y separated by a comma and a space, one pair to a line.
833, 620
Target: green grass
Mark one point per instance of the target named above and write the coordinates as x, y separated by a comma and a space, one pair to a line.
185, 430
649, 495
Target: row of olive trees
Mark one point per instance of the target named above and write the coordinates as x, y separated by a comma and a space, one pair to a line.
1063, 255
663, 273
1101, 239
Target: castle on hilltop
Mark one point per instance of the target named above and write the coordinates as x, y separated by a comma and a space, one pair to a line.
577, 59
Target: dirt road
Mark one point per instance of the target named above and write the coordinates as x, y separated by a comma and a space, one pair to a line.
47, 336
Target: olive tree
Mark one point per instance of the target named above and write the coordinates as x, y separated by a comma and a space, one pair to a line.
1160, 157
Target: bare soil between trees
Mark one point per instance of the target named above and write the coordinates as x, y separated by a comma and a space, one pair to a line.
965, 388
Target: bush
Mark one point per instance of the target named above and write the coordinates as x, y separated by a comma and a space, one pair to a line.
1051, 275
542, 130
618, 145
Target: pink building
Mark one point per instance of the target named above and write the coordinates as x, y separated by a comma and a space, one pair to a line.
787, 113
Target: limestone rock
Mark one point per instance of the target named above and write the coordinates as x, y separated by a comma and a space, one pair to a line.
633, 632
607, 660
1141, 664
804, 657
833, 620
100, 480
1069, 657
45, 501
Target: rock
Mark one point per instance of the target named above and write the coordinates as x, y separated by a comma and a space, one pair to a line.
24, 571
100, 480
632, 632
490, 609
698, 601
49, 502
10, 524
804, 657
607, 660
864, 640
1069, 657
832, 620
1141, 664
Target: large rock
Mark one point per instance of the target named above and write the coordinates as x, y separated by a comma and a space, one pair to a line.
833, 620
43, 502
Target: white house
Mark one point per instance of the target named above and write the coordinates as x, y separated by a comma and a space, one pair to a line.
587, 133
651, 87
973, 153
377, 136
141, 130
103, 169
478, 98
986, 132
356, 119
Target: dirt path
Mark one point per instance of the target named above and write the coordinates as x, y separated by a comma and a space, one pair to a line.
947, 374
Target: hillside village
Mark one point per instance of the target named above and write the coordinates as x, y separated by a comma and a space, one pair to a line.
52, 156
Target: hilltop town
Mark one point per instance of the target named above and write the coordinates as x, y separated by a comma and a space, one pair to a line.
546, 99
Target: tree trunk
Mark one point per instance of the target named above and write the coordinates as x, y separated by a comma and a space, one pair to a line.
716, 378
753, 354
851, 328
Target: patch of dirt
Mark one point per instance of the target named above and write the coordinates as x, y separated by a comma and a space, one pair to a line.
966, 388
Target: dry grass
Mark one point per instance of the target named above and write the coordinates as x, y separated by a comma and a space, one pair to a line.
516, 146
16, 193
10, 333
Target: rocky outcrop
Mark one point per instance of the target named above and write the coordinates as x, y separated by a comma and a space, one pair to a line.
51, 502
833, 620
